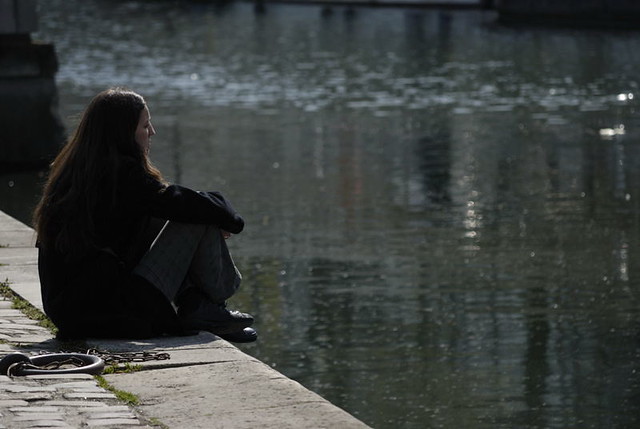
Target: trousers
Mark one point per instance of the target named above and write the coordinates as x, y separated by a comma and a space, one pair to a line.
185, 256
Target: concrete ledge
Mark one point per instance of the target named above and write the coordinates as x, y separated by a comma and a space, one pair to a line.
206, 383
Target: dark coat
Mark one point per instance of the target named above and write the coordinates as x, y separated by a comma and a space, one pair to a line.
97, 295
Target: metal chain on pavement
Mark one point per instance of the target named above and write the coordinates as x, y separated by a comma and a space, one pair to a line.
114, 358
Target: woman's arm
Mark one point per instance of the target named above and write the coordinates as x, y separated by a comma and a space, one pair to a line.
179, 203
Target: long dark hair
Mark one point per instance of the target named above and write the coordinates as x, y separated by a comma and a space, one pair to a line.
84, 174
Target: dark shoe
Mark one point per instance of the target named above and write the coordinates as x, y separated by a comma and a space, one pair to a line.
247, 335
215, 318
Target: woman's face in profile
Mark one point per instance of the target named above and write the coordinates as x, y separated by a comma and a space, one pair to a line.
145, 130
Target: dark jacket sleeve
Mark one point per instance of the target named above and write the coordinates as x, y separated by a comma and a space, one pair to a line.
179, 203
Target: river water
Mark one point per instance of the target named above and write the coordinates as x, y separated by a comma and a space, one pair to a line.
443, 213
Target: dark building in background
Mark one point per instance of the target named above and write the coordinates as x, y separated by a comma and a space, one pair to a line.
592, 13
30, 129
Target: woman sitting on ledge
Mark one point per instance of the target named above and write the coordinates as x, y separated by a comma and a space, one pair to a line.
122, 254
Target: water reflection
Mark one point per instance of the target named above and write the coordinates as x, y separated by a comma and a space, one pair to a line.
443, 226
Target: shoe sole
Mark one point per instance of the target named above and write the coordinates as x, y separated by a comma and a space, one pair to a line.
218, 328
240, 336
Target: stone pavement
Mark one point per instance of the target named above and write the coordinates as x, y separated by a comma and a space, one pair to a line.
51, 401
206, 383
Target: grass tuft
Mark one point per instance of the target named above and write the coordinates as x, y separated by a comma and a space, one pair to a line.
126, 397
26, 308
127, 368
157, 423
